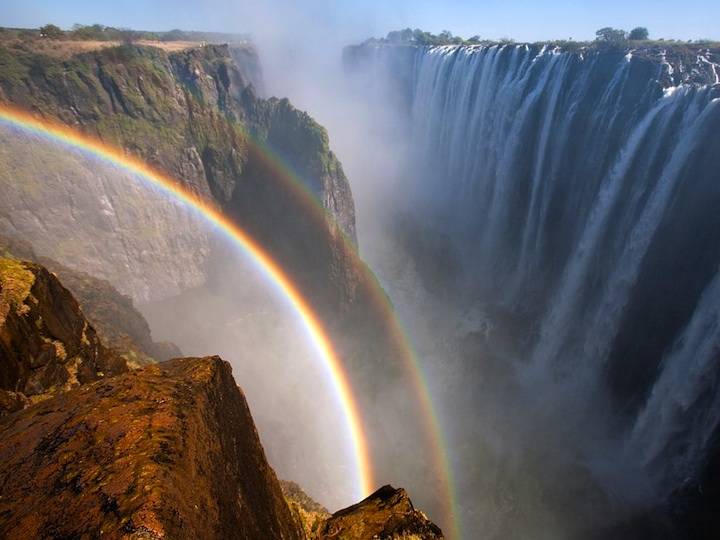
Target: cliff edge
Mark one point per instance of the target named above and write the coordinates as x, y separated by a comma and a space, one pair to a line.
169, 451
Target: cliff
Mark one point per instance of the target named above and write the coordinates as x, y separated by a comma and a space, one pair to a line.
308, 514
191, 113
248, 63
119, 325
387, 513
46, 344
169, 451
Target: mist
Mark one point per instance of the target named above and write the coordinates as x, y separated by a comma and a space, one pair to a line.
241, 316
501, 439
523, 208
534, 432
300, 48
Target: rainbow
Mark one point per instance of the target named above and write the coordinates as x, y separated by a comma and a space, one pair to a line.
409, 358
365, 480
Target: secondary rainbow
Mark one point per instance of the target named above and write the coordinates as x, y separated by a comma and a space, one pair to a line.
441, 462
319, 335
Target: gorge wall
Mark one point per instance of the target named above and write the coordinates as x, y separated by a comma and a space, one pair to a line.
570, 197
192, 114
189, 113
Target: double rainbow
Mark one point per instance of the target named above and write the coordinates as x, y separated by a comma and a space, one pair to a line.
28, 122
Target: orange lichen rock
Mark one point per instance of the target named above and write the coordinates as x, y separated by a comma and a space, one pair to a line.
168, 451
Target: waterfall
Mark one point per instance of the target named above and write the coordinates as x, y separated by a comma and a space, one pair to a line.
685, 398
583, 187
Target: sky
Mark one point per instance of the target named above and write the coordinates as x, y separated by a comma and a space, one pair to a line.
523, 20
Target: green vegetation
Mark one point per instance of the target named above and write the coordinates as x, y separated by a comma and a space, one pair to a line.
15, 282
98, 32
605, 37
51, 31
408, 36
610, 35
639, 34
10, 66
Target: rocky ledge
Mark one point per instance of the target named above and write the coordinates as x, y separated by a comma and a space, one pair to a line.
169, 451
386, 514
119, 325
46, 344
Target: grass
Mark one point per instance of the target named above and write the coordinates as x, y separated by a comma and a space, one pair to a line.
65, 49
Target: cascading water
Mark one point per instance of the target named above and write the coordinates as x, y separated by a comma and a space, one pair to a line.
583, 188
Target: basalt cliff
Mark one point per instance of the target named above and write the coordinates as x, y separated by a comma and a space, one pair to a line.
191, 114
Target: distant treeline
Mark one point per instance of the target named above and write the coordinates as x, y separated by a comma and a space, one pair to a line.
420, 37
605, 37
98, 32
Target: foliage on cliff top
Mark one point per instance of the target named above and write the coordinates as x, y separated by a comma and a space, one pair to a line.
100, 32
606, 37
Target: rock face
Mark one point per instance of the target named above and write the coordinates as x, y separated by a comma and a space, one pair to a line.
169, 451
119, 325
192, 114
308, 514
248, 63
46, 344
386, 514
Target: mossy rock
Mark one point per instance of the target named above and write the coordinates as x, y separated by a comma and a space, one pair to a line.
16, 281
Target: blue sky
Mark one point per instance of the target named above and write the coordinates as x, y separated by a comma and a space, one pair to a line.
520, 19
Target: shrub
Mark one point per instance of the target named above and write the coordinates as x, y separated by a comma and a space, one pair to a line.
639, 34
51, 31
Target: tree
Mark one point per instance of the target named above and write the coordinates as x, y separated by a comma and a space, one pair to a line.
639, 34
51, 31
401, 36
610, 35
